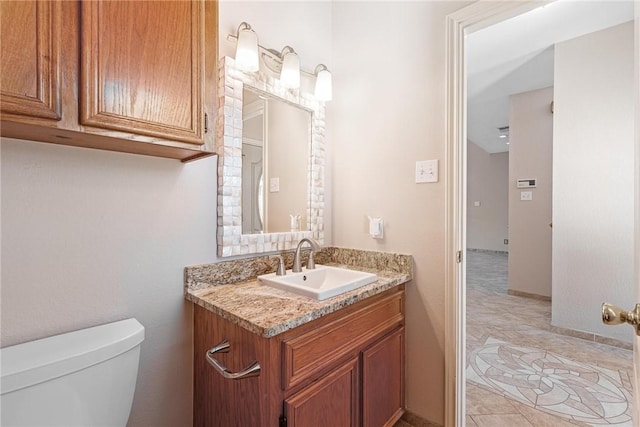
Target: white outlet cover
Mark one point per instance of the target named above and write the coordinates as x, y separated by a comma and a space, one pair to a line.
274, 185
426, 171
526, 195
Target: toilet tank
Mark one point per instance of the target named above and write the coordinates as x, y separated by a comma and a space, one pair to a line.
82, 378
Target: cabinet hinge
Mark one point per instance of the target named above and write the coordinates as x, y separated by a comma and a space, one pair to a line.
206, 123
283, 418
459, 257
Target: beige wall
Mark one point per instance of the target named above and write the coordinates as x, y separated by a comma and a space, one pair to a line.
530, 156
389, 111
289, 135
593, 179
487, 183
90, 237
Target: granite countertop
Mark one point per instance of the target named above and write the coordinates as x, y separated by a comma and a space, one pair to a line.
231, 289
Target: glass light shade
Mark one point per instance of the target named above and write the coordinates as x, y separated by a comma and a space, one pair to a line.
290, 74
247, 58
324, 91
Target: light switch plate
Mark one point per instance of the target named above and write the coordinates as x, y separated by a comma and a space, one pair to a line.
426, 171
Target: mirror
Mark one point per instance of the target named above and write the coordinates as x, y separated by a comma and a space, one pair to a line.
276, 137
257, 118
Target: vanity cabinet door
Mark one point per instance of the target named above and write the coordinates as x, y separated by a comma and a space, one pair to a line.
383, 381
30, 58
143, 68
332, 401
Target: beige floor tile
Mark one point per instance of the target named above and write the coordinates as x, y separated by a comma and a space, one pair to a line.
480, 401
470, 422
502, 420
492, 314
541, 419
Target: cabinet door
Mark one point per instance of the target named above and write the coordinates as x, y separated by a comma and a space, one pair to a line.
30, 58
383, 381
331, 401
142, 68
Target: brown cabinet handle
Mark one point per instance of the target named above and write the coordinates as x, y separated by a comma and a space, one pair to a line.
252, 370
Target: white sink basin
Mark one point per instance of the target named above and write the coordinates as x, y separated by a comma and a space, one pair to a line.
320, 283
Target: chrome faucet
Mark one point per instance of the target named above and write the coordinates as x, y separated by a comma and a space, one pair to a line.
282, 270
315, 247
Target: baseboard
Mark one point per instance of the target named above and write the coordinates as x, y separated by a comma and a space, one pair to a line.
528, 295
417, 421
592, 337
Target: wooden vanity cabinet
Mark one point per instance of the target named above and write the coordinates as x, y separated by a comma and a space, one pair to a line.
343, 369
124, 76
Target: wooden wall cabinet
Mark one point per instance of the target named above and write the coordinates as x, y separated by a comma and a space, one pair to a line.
131, 76
345, 369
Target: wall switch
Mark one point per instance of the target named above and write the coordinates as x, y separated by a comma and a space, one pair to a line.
274, 185
526, 195
506, 241
476, 204
426, 171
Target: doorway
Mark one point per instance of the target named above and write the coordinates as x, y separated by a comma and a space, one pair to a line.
470, 19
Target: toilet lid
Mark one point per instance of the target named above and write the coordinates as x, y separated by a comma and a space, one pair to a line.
27, 364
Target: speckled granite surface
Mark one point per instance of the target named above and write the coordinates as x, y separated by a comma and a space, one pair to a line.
231, 289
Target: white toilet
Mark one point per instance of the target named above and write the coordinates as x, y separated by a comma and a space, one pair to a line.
82, 378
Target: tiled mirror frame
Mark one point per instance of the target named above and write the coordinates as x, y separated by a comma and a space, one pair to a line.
230, 239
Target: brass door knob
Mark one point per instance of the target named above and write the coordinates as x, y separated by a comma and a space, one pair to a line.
614, 315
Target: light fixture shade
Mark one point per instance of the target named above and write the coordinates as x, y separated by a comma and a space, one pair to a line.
290, 74
247, 58
324, 90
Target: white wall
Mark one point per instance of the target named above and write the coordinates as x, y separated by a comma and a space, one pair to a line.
593, 179
487, 183
90, 237
530, 156
388, 111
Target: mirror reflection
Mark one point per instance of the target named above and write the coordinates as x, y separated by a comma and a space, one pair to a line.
276, 139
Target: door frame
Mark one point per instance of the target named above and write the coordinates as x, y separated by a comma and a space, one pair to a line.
465, 21
458, 24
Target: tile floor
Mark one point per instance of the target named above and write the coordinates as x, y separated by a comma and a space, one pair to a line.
519, 373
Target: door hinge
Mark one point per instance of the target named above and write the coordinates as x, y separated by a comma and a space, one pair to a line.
206, 123
459, 257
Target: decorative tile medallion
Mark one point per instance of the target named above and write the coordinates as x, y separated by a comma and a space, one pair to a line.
551, 383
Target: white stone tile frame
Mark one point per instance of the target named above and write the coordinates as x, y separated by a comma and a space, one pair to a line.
230, 239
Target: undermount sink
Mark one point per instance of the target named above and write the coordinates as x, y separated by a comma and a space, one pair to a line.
320, 283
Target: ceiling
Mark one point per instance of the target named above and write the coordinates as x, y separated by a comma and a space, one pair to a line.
516, 56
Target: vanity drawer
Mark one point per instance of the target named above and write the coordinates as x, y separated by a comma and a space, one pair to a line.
310, 354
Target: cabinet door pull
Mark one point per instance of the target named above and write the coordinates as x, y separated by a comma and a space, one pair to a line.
252, 370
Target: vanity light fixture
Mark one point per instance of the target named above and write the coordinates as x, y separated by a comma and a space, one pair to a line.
290, 73
286, 62
324, 91
247, 58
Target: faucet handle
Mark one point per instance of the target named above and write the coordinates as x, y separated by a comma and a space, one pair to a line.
281, 271
311, 264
